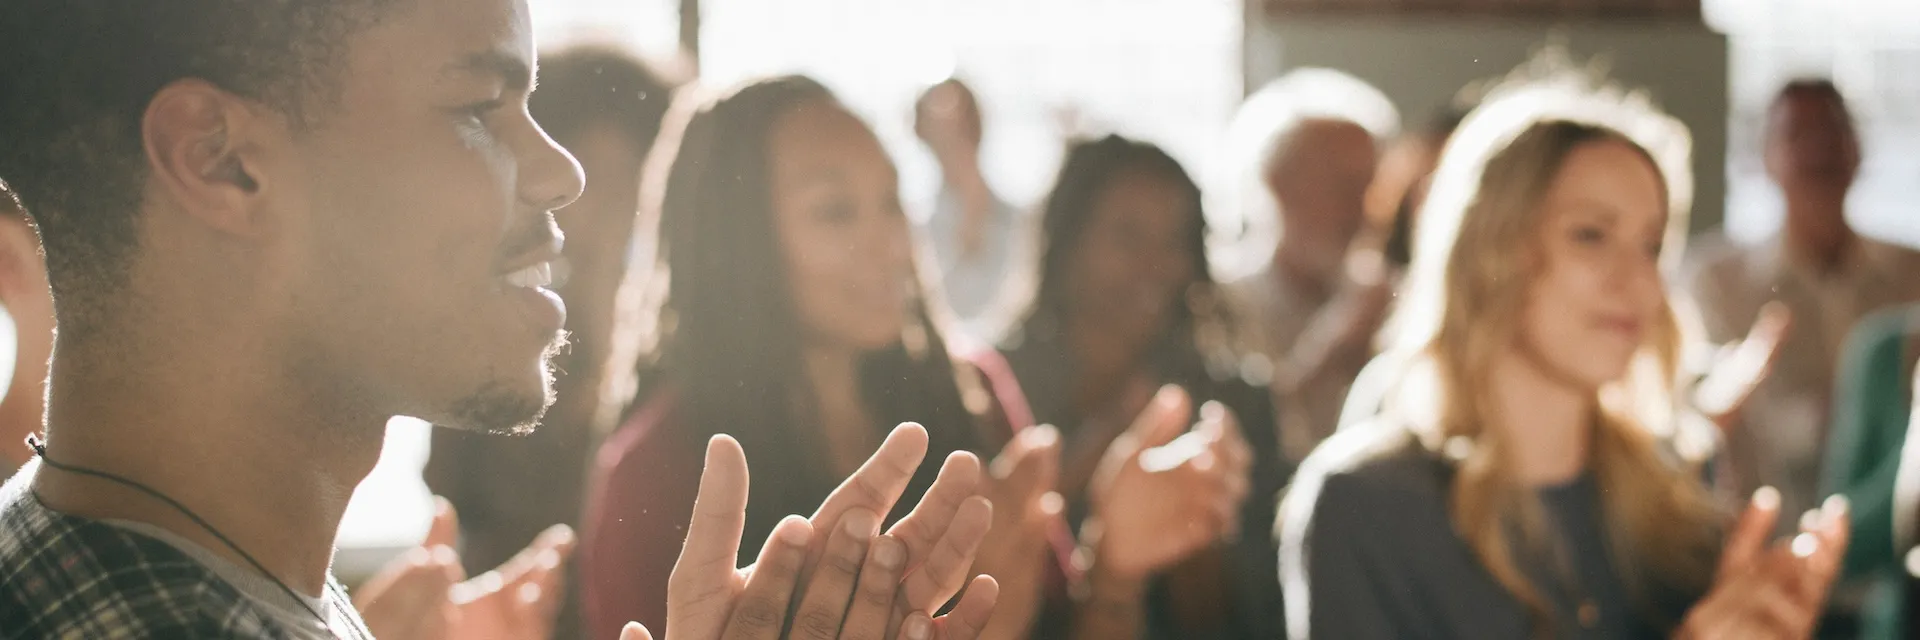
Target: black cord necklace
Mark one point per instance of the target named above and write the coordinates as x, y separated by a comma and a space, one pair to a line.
40, 449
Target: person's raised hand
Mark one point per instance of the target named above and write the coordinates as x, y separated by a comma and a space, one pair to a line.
1022, 483
425, 594
1771, 590
1164, 492
407, 599
897, 584
520, 599
1724, 391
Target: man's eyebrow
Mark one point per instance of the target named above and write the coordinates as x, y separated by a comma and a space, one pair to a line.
512, 70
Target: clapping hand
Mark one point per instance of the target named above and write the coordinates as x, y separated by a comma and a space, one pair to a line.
1771, 590
425, 594
1725, 390
1164, 491
832, 575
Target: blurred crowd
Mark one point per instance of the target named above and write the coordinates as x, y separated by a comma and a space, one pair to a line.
1485, 386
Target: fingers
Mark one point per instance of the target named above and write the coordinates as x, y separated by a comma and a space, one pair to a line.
408, 598
969, 618
1751, 532
542, 587
878, 483
1823, 547
1734, 378
1164, 419
871, 611
1771, 327
445, 530
761, 611
931, 583
700, 590
958, 481
1025, 473
534, 569
635, 631
825, 603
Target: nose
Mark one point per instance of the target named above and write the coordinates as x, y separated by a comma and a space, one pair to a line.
550, 178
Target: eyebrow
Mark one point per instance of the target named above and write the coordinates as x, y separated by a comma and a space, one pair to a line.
512, 70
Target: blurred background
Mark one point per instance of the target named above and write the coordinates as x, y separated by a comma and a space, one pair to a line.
1174, 71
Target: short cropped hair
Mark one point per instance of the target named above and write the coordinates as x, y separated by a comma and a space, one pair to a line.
79, 74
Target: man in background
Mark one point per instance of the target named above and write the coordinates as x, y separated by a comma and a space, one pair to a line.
1311, 311
1826, 275
977, 239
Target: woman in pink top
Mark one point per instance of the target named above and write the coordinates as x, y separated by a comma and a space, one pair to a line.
793, 320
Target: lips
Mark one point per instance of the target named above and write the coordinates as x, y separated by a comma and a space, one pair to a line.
526, 279
539, 306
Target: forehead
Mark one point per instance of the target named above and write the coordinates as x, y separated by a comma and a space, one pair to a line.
1807, 106
1141, 196
1613, 177
819, 131
437, 42
1312, 142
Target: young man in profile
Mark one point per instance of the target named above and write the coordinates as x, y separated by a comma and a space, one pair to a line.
271, 226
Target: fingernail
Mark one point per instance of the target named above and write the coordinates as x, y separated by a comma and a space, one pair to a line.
1043, 435
859, 523
1836, 506
887, 552
1811, 519
1767, 498
1168, 396
1213, 411
792, 535
1804, 545
1051, 504
918, 627
444, 555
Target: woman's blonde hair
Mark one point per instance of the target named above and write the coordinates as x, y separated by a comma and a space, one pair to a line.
1476, 245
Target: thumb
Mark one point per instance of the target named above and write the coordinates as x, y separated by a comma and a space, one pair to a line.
1164, 419
635, 631
445, 530
1751, 532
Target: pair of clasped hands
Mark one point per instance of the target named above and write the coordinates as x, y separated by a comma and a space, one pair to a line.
835, 574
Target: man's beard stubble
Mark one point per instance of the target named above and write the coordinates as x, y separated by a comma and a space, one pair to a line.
498, 408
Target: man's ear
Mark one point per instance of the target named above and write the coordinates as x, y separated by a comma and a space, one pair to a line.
200, 153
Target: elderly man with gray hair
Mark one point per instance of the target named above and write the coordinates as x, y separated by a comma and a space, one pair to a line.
1311, 141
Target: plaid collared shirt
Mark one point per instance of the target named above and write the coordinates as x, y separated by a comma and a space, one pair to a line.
68, 577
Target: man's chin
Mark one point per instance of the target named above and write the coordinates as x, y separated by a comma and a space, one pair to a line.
501, 408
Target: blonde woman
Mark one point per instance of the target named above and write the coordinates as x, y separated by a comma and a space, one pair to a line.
1531, 474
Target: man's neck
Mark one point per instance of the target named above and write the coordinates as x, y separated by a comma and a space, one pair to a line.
1811, 235
255, 457
1546, 422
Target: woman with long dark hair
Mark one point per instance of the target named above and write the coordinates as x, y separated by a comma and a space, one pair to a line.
1125, 317
788, 314
1532, 473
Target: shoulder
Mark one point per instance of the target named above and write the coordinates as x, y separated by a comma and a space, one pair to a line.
1896, 258
1363, 476
74, 577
